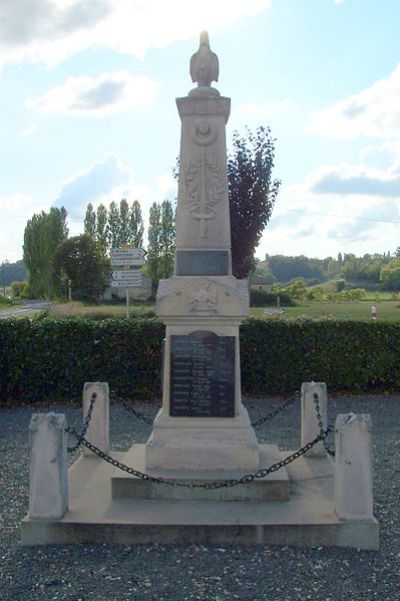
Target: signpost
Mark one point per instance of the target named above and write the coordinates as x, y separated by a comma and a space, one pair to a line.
127, 278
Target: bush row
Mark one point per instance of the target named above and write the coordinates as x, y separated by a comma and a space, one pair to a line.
51, 359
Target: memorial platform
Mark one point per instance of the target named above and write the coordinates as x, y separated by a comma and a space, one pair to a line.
307, 518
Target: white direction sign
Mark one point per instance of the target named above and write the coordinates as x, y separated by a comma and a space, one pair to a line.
127, 256
126, 279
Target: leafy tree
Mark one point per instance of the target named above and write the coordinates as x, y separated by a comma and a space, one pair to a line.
84, 262
42, 235
102, 230
252, 194
390, 275
154, 244
136, 226
114, 221
121, 224
124, 222
161, 241
90, 221
167, 239
286, 269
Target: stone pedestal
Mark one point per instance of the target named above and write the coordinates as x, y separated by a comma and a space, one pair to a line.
309, 420
98, 431
48, 481
353, 467
202, 424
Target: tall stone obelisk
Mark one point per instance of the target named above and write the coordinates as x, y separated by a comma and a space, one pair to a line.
202, 424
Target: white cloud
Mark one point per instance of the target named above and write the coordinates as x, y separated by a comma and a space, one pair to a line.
28, 131
374, 111
52, 30
342, 207
167, 186
15, 211
355, 180
97, 96
106, 180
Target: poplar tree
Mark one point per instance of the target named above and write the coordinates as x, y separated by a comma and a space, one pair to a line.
167, 239
89, 222
161, 241
102, 229
136, 227
114, 225
124, 226
42, 235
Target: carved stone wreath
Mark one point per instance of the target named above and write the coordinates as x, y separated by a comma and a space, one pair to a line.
205, 186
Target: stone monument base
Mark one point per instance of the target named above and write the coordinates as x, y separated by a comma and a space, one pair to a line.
307, 518
209, 443
274, 487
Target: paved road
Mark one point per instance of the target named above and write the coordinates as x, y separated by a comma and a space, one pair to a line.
29, 307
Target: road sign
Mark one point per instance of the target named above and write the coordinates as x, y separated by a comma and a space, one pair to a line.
127, 256
126, 279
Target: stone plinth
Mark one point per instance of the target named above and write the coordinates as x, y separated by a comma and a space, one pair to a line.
98, 431
307, 519
353, 467
202, 443
48, 481
274, 487
309, 421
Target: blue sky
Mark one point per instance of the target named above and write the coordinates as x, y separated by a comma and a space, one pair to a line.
87, 109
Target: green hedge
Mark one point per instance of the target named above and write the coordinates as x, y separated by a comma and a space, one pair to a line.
51, 359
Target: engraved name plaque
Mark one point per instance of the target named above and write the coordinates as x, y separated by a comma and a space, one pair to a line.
202, 375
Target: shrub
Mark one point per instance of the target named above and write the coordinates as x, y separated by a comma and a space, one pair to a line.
263, 298
17, 288
51, 359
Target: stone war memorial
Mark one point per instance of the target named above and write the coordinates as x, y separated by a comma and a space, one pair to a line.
202, 476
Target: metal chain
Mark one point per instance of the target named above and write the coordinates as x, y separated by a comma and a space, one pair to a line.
213, 485
118, 399
86, 423
287, 403
321, 426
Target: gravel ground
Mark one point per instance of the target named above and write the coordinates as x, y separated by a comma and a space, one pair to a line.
209, 573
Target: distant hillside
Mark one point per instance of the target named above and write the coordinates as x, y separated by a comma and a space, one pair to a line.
12, 272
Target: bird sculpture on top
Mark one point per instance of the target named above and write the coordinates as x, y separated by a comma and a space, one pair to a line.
204, 67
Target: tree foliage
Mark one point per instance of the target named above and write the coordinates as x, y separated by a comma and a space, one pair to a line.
120, 224
161, 241
252, 194
84, 262
43, 233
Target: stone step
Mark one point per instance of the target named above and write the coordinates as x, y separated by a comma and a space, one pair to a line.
274, 487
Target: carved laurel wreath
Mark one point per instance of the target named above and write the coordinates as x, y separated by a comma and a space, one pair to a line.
216, 186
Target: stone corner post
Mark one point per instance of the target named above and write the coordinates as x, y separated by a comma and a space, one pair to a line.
98, 430
353, 467
309, 422
48, 480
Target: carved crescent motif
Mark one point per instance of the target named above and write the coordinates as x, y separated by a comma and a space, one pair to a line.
203, 133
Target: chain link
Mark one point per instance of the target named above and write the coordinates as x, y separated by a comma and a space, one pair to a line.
86, 423
147, 420
213, 485
321, 426
118, 399
285, 405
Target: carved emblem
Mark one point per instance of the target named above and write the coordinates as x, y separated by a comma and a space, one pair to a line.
203, 298
203, 133
205, 186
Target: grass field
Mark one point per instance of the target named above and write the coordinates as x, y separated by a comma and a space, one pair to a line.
388, 310
344, 311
